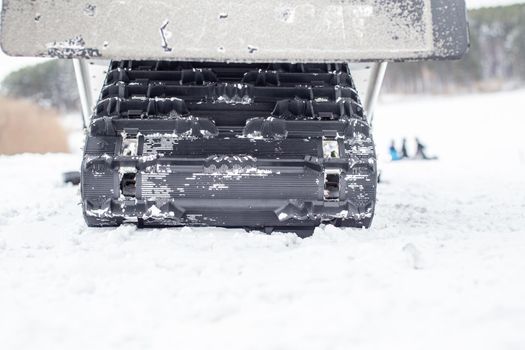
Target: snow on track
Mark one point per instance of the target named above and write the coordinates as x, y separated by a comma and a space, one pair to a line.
442, 267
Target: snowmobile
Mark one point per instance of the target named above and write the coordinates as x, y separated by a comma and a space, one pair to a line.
241, 114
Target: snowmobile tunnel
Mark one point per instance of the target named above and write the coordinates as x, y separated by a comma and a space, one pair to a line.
237, 31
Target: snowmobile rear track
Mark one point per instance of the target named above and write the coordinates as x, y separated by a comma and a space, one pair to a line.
265, 147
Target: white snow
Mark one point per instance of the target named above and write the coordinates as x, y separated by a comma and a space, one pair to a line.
442, 268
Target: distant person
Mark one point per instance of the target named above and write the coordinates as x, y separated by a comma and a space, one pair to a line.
393, 151
404, 152
420, 151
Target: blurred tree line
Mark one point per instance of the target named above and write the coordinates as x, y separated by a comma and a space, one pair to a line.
50, 84
496, 59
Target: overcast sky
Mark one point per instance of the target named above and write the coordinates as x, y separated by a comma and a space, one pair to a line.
484, 3
8, 64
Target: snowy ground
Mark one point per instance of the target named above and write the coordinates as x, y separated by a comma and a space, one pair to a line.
442, 268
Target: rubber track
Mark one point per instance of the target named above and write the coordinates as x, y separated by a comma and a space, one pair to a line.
233, 145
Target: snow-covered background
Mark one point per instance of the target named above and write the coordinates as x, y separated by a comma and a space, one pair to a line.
442, 268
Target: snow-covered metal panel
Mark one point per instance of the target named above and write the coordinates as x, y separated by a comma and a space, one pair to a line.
241, 30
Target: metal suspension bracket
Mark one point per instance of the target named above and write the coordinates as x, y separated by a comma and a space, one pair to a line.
83, 85
377, 77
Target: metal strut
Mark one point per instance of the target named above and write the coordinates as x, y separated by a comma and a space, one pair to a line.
83, 85
374, 89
